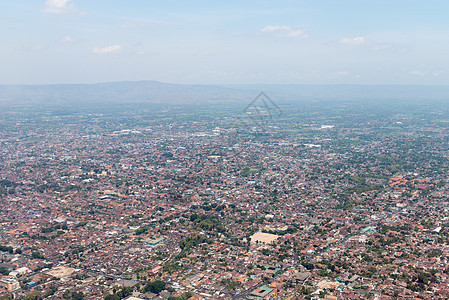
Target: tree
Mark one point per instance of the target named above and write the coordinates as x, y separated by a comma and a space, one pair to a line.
123, 293
77, 296
140, 231
36, 254
36, 295
51, 291
184, 296
308, 266
155, 286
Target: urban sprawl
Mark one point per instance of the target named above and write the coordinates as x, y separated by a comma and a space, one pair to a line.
328, 200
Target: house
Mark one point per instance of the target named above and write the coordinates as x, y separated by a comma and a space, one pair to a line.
261, 292
154, 242
301, 276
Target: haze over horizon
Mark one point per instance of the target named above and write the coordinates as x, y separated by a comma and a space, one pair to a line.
248, 42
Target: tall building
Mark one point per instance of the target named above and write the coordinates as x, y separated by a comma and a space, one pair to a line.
9, 284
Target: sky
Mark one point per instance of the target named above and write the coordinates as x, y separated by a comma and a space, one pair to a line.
225, 42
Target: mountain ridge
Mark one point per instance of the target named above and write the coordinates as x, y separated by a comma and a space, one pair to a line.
160, 92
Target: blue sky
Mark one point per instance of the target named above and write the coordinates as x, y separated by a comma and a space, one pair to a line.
225, 42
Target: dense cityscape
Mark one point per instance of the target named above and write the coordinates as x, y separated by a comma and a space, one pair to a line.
319, 200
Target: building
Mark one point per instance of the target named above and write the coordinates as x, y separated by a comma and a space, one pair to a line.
261, 292
155, 242
341, 220
9, 284
301, 276
368, 230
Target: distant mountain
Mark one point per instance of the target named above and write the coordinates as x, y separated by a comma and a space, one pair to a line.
158, 92
292, 92
136, 91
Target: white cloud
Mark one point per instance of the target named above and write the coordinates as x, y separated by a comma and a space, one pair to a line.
284, 31
83, 13
353, 41
338, 74
38, 47
58, 6
417, 72
107, 50
66, 39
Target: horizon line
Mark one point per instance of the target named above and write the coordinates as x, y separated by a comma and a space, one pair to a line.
229, 84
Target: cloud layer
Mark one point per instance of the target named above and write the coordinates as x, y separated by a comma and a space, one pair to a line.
353, 41
58, 6
107, 50
284, 30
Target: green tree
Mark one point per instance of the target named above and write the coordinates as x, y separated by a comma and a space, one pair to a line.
36, 254
36, 295
77, 296
156, 286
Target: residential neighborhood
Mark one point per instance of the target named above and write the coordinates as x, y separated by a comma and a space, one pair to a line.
175, 205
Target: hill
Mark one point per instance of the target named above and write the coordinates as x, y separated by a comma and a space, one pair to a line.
166, 93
